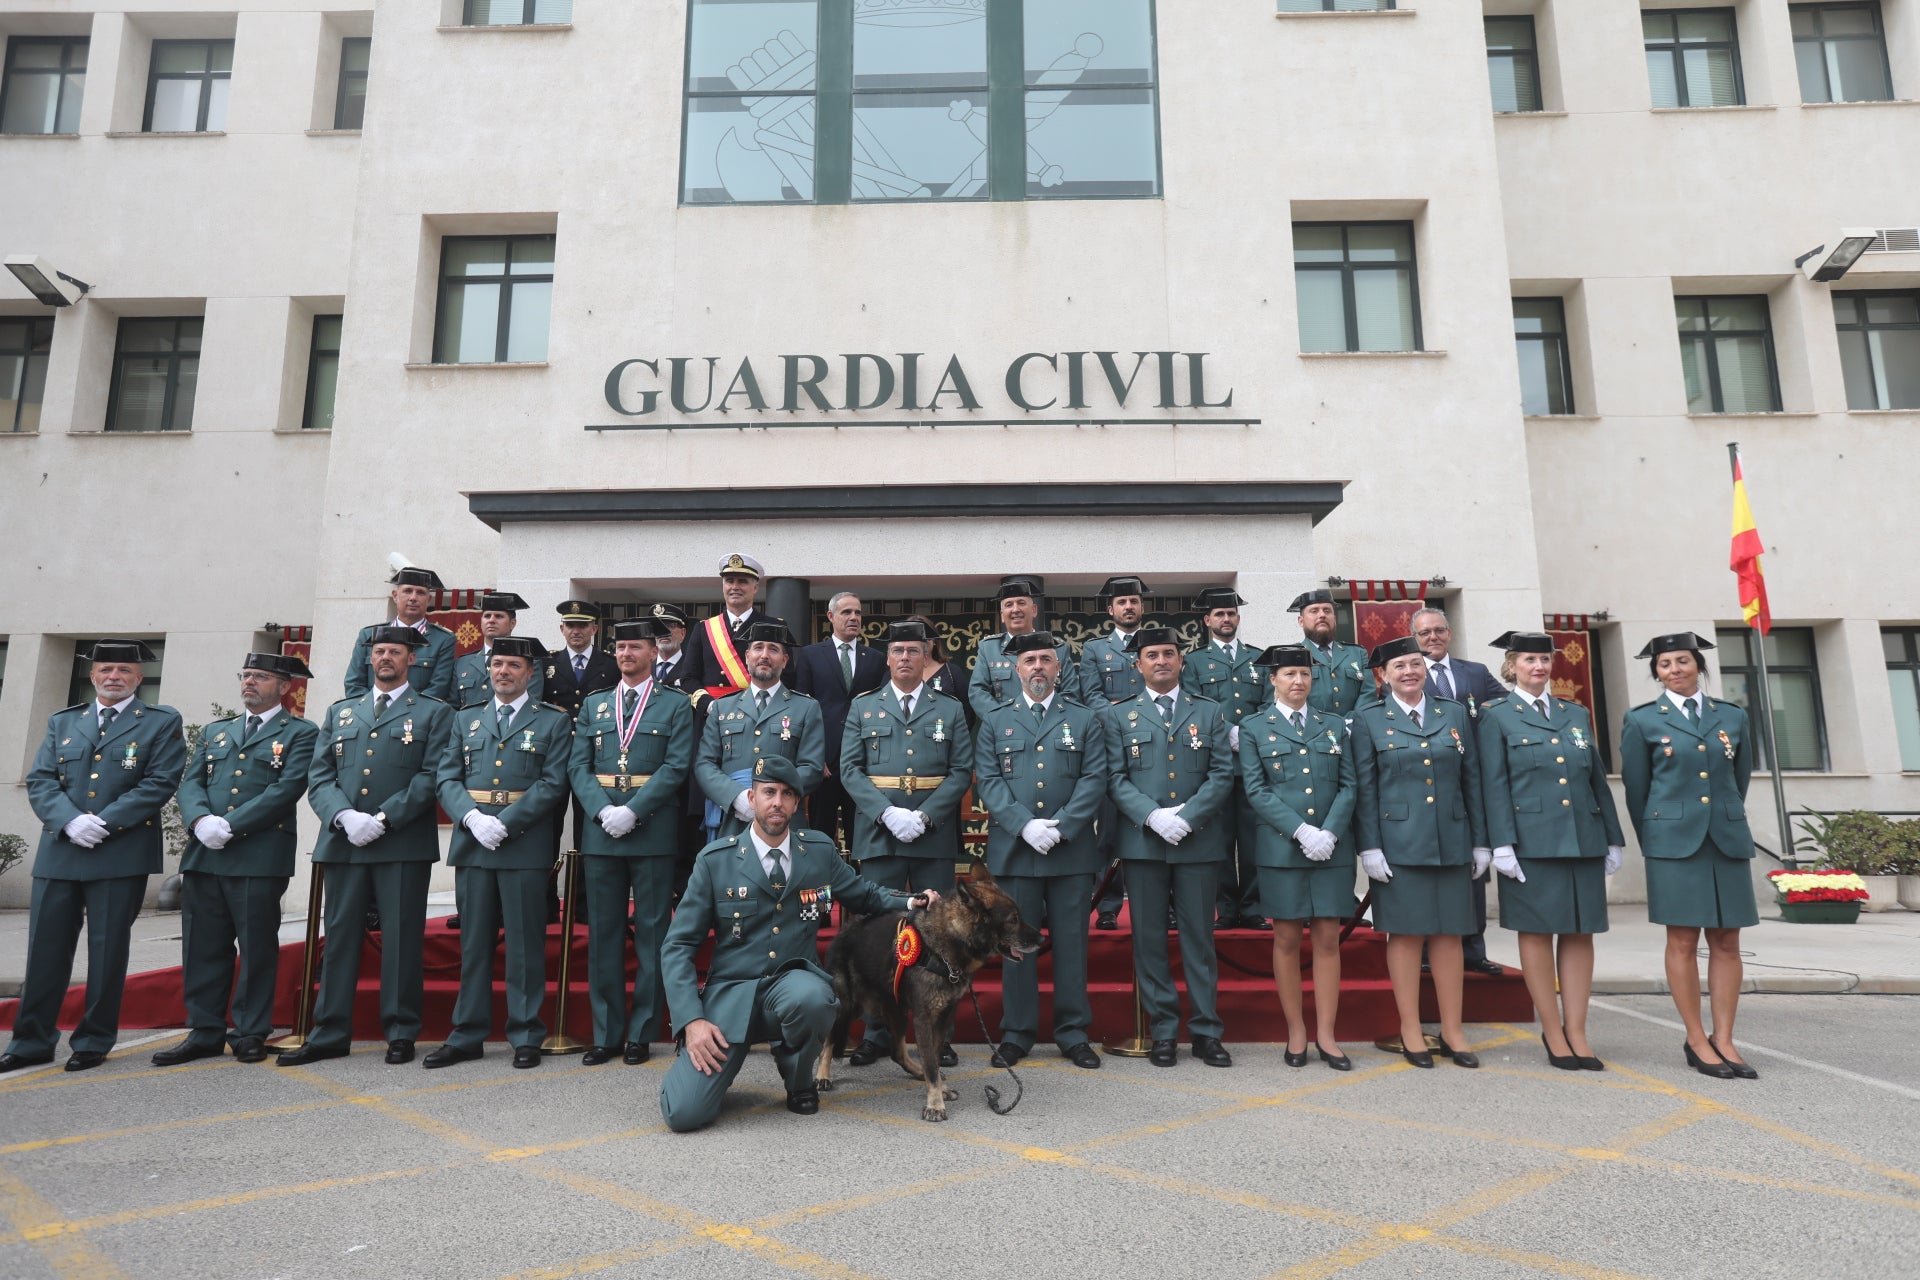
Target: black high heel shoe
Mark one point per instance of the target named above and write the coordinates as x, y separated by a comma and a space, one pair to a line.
1560, 1062
1295, 1059
1421, 1058
1740, 1069
1718, 1070
1338, 1061
1461, 1057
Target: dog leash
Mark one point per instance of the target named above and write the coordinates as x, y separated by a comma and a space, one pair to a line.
993, 1094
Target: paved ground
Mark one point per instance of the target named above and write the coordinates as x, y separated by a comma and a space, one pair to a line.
352, 1168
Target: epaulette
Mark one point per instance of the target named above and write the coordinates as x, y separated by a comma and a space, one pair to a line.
78, 706
342, 701
553, 707
424, 696
1197, 697
1644, 705
434, 626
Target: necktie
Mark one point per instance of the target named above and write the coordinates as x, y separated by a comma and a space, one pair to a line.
1441, 681
1039, 710
1165, 703
1232, 650
501, 715
1416, 719
579, 667
1299, 722
906, 706
1540, 704
763, 696
846, 663
380, 705
253, 725
107, 717
1691, 708
659, 670
632, 701
776, 867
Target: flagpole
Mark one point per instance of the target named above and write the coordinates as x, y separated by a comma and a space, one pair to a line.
1765, 718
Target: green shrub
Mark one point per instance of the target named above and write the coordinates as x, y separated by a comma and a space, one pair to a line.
1859, 841
12, 850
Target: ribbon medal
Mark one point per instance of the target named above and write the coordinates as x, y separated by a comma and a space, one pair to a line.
939, 730
526, 740
1193, 736
1458, 745
786, 728
1473, 708
1579, 739
128, 761
1333, 740
279, 754
624, 728
1725, 742
1066, 738
406, 732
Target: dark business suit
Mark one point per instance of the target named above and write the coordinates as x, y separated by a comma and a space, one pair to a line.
816, 672
696, 655
1473, 687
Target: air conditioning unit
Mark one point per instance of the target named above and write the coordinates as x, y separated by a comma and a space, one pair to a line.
1896, 240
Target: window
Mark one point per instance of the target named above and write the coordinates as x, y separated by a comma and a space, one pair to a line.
1879, 348
838, 101
45, 78
1794, 680
495, 295
1356, 286
323, 372
81, 688
1513, 64
156, 366
187, 88
1841, 50
516, 13
24, 345
1902, 647
350, 103
1546, 369
1333, 6
1726, 350
1693, 59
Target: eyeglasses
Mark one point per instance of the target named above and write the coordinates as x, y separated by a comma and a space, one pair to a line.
1434, 631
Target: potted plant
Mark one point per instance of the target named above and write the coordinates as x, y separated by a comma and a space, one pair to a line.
13, 850
1818, 897
1908, 860
1864, 843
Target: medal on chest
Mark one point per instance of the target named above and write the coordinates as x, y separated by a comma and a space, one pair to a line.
1066, 737
1726, 744
130, 758
939, 730
406, 732
1333, 740
622, 727
1193, 737
786, 728
526, 740
1458, 745
1665, 746
1579, 738
279, 754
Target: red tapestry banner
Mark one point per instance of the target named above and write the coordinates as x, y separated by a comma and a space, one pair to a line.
1573, 667
296, 642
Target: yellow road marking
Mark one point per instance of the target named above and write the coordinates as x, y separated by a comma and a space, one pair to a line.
34, 1084
36, 1221
133, 1131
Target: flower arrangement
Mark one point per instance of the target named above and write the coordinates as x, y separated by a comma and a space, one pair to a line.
1818, 886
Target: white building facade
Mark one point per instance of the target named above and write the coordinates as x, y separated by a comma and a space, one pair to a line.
575, 298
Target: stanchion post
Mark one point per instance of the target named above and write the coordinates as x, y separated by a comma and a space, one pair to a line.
559, 1041
303, 1011
1137, 1045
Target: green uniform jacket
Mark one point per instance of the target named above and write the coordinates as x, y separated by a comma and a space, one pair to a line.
124, 779
1238, 686
1417, 791
757, 933
661, 750
1544, 781
1340, 678
256, 786
1662, 757
431, 672
1107, 673
473, 684
1187, 767
1055, 767
1295, 776
994, 679
531, 758
877, 743
384, 766
737, 733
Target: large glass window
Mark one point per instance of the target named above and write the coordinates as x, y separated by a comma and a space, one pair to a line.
323, 373
1841, 51
44, 80
1902, 647
496, 293
1726, 351
187, 86
1693, 57
831, 101
1880, 348
80, 688
1513, 63
350, 104
24, 346
1546, 368
1356, 286
156, 368
1793, 677
1333, 6
516, 13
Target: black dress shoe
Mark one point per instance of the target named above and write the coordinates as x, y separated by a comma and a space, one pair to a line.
1082, 1055
1591, 1064
598, 1054
865, 1054
1420, 1058
1007, 1054
1294, 1059
399, 1052
1338, 1061
1256, 922
453, 922
372, 922
309, 1052
1740, 1069
1107, 920
526, 1056
638, 1051
445, 1056
1210, 1051
1483, 965
1718, 1070
250, 1049
948, 1058
85, 1060
804, 1103
1461, 1057
1559, 1061
17, 1062
187, 1052
1165, 1053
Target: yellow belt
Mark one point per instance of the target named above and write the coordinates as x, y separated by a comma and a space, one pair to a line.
908, 784
495, 797
623, 781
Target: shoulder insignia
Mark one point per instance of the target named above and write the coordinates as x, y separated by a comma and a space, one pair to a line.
426, 697
78, 706
554, 707
434, 626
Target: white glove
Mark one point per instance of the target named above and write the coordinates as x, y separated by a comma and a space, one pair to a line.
1374, 863
87, 831
1481, 859
1615, 856
213, 832
486, 828
907, 825
361, 828
616, 820
743, 805
1316, 844
1168, 825
1041, 833
1233, 737
1507, 864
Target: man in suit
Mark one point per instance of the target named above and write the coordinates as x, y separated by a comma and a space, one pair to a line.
833, 672
670, 667
503, 781
105, 770
499, 613
763, 719
1339, 670
632, 751
1223, 669
994, 679
763, 983
432, 671
1041, 845
371, 786
1108, 675
714, 657
1470, 684
239, 802
1172, 782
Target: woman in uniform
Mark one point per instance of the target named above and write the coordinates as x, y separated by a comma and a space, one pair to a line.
938, 670
1421, 831
1299, 781
1556, 838
1686, 760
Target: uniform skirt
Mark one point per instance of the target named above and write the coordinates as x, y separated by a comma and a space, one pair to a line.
1426, 900
1707, 890
1560, 895
1323, 891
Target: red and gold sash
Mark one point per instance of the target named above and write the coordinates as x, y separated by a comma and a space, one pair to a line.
720, 640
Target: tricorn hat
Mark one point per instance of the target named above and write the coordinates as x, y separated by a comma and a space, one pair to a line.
1212, 598
770, 631
1398, 647
281, 664
119, 651
1525, 642
1031, 641
1113, 588
1669, 644
414, 576
1276, 657
1146, 637
501, 602
396, 635
910, 632
1019, 586
518, 647
652, 629
1319, 595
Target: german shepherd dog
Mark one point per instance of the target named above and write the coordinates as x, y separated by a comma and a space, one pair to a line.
957, 935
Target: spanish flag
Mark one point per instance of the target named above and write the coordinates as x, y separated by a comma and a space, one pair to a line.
1746, 556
